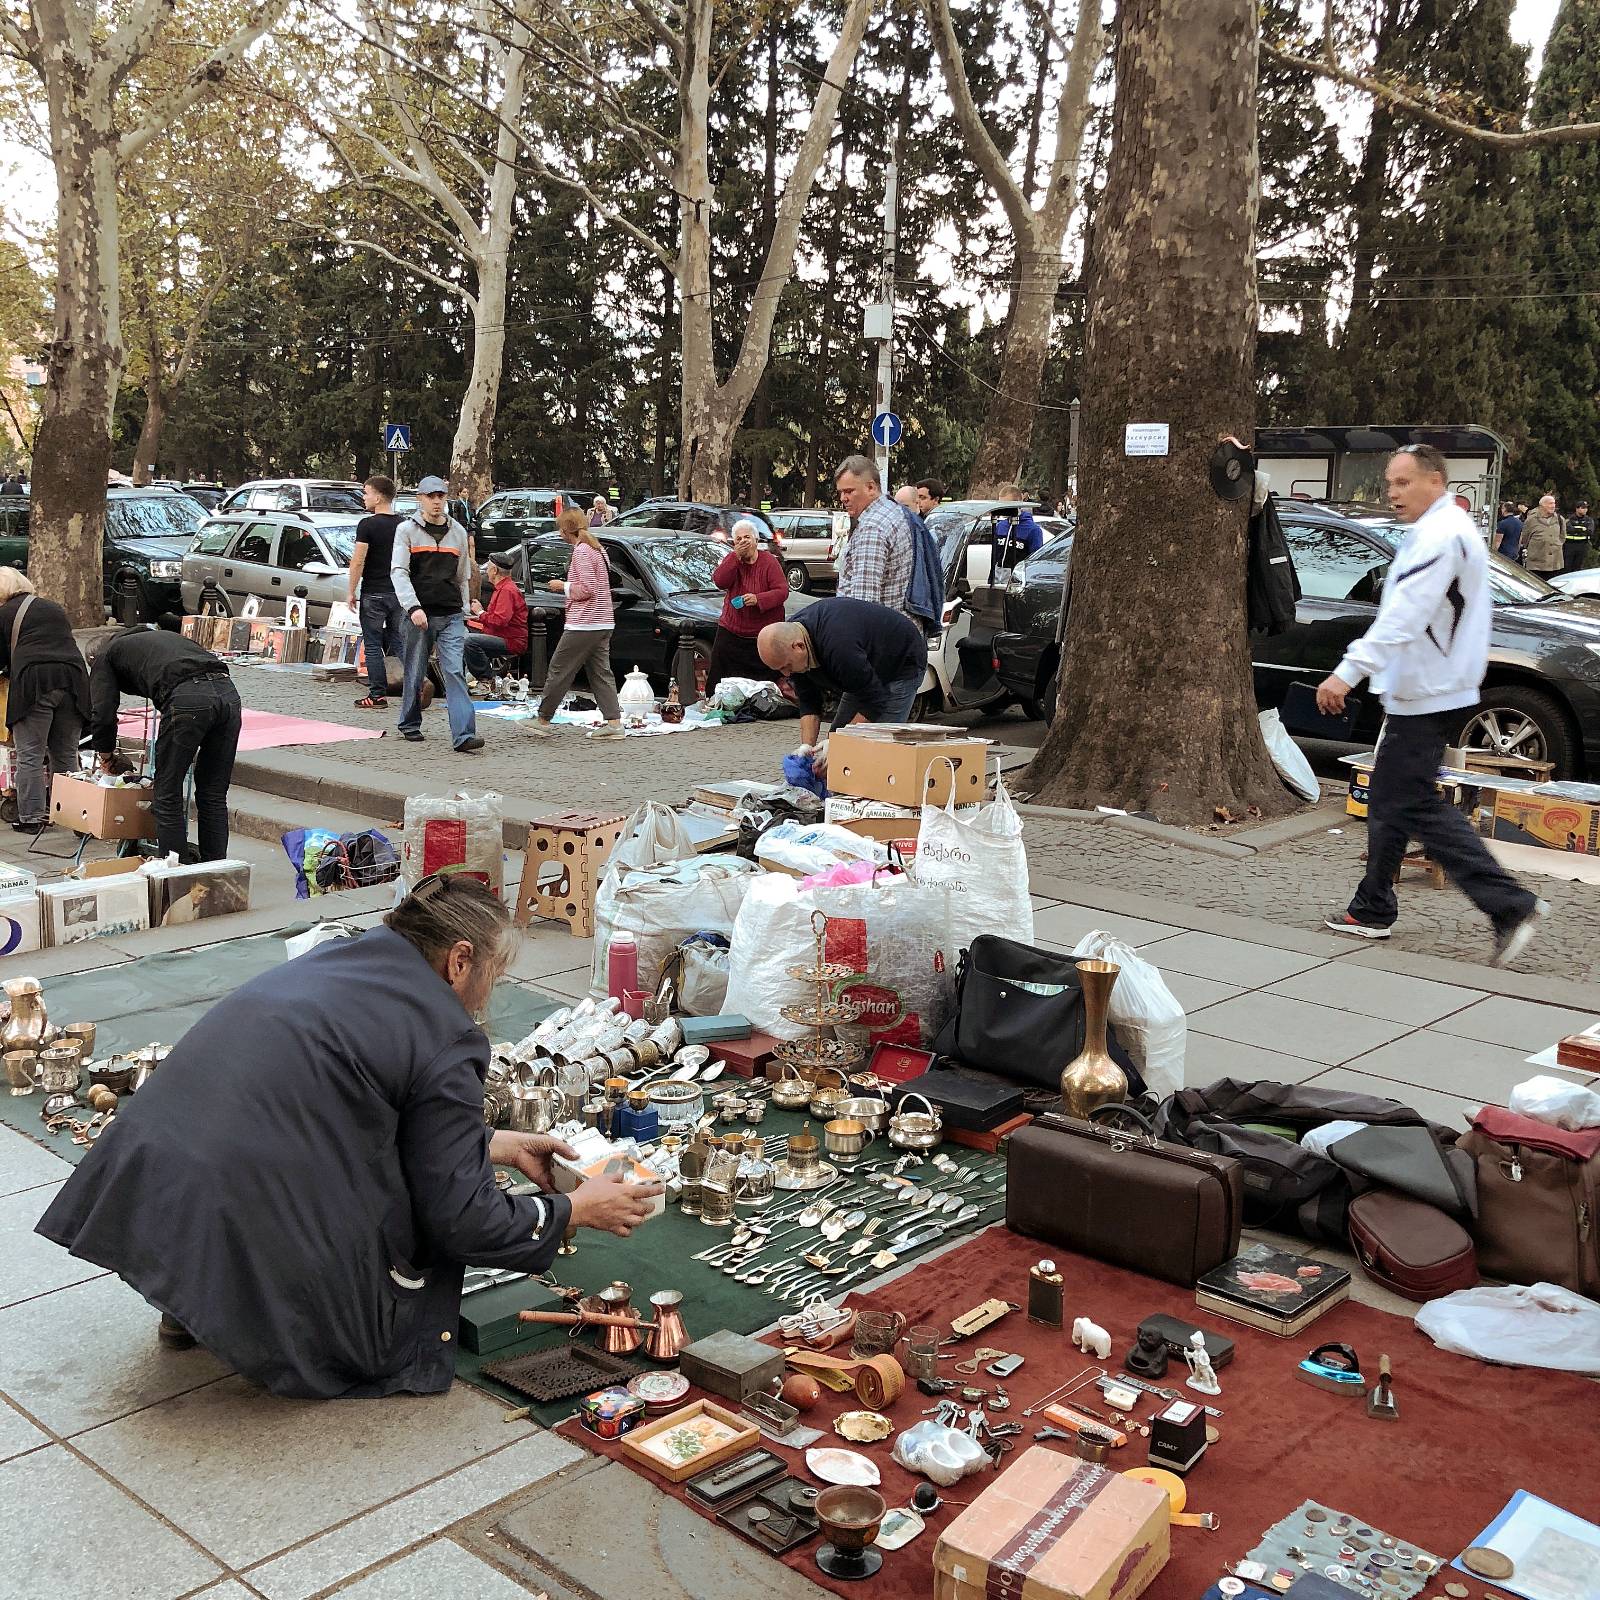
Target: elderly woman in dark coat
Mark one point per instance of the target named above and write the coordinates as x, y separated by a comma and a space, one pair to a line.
301, 1184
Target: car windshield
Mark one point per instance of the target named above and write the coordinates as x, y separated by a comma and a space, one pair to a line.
1510, 584
680, 566
640, 517
154, 516
340, 537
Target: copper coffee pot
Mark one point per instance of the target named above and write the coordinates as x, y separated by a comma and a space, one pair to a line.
620, 1337
667, 1335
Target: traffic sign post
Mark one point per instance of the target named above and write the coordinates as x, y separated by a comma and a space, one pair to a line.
886, 430
396, 436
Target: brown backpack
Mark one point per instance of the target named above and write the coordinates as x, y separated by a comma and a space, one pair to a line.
1538, 1188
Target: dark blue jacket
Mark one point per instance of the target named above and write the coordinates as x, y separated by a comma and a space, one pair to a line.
925, 596
303, 1179
860, 648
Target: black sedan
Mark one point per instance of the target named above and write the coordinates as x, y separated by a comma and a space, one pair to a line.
660, 586
1541, 694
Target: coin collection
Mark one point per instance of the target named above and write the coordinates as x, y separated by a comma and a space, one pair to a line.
1366, 1560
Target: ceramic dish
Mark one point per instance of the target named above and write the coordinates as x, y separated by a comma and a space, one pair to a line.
660, 1391
843, 1466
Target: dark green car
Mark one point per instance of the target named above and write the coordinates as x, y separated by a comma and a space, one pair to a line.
146, 534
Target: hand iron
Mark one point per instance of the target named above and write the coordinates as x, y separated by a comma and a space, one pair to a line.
1334, 1367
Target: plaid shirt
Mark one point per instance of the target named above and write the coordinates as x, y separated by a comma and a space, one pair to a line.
877, 558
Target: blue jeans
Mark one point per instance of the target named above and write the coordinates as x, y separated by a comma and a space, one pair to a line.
899, 695
381, 636
447, 635
487, 654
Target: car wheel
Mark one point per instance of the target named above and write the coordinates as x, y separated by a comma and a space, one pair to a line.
1522, 722
1045, 705
799, 578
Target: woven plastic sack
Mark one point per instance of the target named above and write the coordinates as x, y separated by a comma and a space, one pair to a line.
453, 833
978, 855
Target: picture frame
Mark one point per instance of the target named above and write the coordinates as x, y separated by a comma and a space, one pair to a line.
662, 1446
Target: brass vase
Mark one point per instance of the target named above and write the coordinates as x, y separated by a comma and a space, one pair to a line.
1093, 1078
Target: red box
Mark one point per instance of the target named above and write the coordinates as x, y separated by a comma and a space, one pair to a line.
747, 1057
899, 1063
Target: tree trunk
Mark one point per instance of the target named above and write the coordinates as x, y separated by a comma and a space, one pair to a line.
693, 185
72, 453
147, 451
472, 454
1009, 415
1156, 709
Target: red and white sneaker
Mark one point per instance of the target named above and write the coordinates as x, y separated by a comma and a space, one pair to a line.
1343, 922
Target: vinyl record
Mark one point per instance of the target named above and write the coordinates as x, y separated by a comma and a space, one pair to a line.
1232, 471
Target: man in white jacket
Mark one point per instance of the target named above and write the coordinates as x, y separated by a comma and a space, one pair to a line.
1426, 655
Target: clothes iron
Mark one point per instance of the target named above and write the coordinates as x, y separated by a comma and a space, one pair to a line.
1334, 1367
1380, 1398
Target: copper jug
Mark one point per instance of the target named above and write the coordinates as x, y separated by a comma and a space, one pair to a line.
1093, 1078
618, 1340
667, 1338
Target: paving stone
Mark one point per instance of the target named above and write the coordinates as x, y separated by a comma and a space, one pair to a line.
228, 1589
1516, 1024
17, 1433
1206, 1059
1253, 966
1195, 994
33, 1265
613, 1533
418, 1515
26, 1165
437, 1570
1376, 994
545, 949
199, 1459
1062, 926
88, 1354
1317, 1032
112, 1545
1483, 1073
573, 984
1448, 1110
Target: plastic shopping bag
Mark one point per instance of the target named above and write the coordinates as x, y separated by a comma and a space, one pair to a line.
1288, 757
1557, 1102
979, 857
453, 833
655, 834
1144, 1011
1526, 1325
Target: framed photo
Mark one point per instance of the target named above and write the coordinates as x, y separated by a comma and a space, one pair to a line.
690, 1439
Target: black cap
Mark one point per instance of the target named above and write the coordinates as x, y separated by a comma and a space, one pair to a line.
502, 559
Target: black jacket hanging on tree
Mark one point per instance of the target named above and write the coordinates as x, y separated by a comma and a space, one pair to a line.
1271, 583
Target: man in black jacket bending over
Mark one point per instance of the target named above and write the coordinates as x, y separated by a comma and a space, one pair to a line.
200, 717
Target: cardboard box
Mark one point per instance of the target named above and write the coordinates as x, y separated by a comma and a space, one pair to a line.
1547, 820
101, 812
180, 894
873, 767
561, 867
19, 922
110, 897
1054, 1528
17, 880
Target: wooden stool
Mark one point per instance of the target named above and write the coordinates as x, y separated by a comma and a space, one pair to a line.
561, 867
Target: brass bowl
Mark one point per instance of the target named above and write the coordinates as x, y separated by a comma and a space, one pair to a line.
851, 1515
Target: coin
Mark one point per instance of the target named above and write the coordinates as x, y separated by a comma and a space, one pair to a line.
1487, 1563
1281, 1580
1316, 1514
1457, 1591
758, 1514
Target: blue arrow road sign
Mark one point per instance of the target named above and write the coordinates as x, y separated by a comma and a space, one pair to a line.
397, 435
886, 429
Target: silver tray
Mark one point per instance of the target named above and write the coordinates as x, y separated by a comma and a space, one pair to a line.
784, 1177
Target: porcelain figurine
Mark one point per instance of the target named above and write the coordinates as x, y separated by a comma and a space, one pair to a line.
1202, 1375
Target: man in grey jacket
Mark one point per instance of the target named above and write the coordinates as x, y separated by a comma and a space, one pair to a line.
432, 570
1426, 655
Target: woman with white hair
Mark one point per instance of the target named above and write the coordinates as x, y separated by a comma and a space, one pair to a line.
48, 701
754, 590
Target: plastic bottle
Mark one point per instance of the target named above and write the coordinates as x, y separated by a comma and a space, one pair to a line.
622, 965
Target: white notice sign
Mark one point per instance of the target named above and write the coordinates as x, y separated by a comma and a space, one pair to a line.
1145, 439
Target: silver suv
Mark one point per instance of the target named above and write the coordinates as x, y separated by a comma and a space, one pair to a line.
273, 557
333, 499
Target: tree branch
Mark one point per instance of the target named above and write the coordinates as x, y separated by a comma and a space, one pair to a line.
1072, 113
135, 39
456, 289
21, 37
662, 256
1328, 66
660, 29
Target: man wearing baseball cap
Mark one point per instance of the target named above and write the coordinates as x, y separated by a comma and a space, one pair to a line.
497, 635
432, 571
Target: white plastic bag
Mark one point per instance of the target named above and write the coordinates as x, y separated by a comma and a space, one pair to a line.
1144, 1011
894, 933
662, 905
1289, 758
300, 944
978, 855
453, 833
655, 833
1520, 1325
1557, 1102
807, 847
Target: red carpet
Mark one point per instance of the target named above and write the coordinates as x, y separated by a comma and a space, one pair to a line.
1468, 1435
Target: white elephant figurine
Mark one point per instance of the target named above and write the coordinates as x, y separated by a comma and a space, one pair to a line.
1091, 1338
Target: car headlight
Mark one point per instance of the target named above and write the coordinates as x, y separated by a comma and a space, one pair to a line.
166, 569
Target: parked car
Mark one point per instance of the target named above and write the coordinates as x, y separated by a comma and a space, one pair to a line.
1541, 695
405, 505
146, 532
698, 518
273, 556
337, 498
660, 585
811, 538
507, 518
1585, 582
210, 495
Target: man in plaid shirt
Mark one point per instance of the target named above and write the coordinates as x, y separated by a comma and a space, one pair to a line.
877, 557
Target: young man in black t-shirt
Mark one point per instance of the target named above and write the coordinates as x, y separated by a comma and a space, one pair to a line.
379, 606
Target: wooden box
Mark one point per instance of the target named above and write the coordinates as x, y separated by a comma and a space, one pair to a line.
561, 867
647, 1444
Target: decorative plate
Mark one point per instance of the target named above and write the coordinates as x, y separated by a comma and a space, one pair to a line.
661, 1390
863, 1427
843, 1466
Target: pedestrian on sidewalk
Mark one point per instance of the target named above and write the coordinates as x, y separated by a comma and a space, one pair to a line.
585, 644
48, 700
1580, 536
1508, 531
1543, 538
753, 582
497, 634
372, 588
433, 576
199, 728
877, 559
1426, 655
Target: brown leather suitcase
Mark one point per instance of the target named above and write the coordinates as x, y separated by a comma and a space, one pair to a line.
1408, 1246
1119, 1194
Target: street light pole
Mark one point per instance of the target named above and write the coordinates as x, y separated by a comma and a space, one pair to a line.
1072, 449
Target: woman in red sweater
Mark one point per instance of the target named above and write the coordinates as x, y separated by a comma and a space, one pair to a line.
753, 581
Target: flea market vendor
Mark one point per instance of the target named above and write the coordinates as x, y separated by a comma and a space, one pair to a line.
301, 1185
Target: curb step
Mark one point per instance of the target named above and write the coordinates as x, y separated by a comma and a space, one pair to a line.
258, 815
